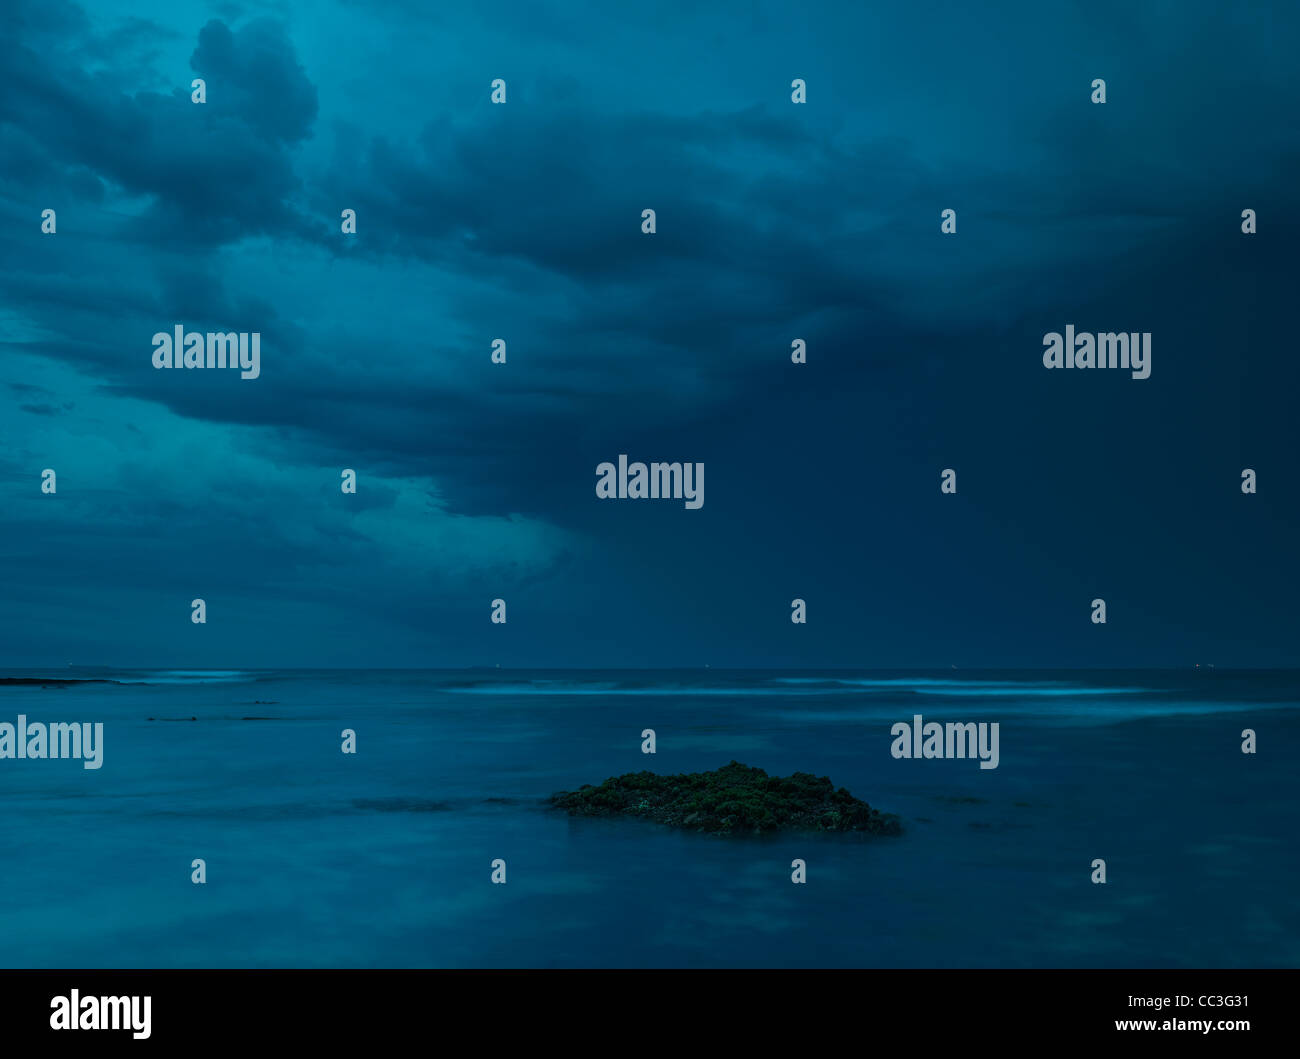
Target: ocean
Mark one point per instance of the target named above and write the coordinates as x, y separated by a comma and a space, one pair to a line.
384, 858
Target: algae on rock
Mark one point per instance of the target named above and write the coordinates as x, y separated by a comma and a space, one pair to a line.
735, 799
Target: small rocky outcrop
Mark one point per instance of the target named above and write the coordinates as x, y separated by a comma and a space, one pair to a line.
735, 799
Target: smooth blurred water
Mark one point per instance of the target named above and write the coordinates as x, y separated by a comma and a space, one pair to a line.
316, 858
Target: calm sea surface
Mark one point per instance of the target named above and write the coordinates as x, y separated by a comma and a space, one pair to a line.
383, 858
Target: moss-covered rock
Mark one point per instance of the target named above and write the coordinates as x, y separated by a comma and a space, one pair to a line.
735, 799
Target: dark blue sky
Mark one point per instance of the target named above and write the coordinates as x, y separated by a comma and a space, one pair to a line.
522, 222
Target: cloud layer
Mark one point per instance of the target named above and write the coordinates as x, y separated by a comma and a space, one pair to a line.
522, 222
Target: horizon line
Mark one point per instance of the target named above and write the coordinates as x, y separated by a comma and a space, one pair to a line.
1193, 667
